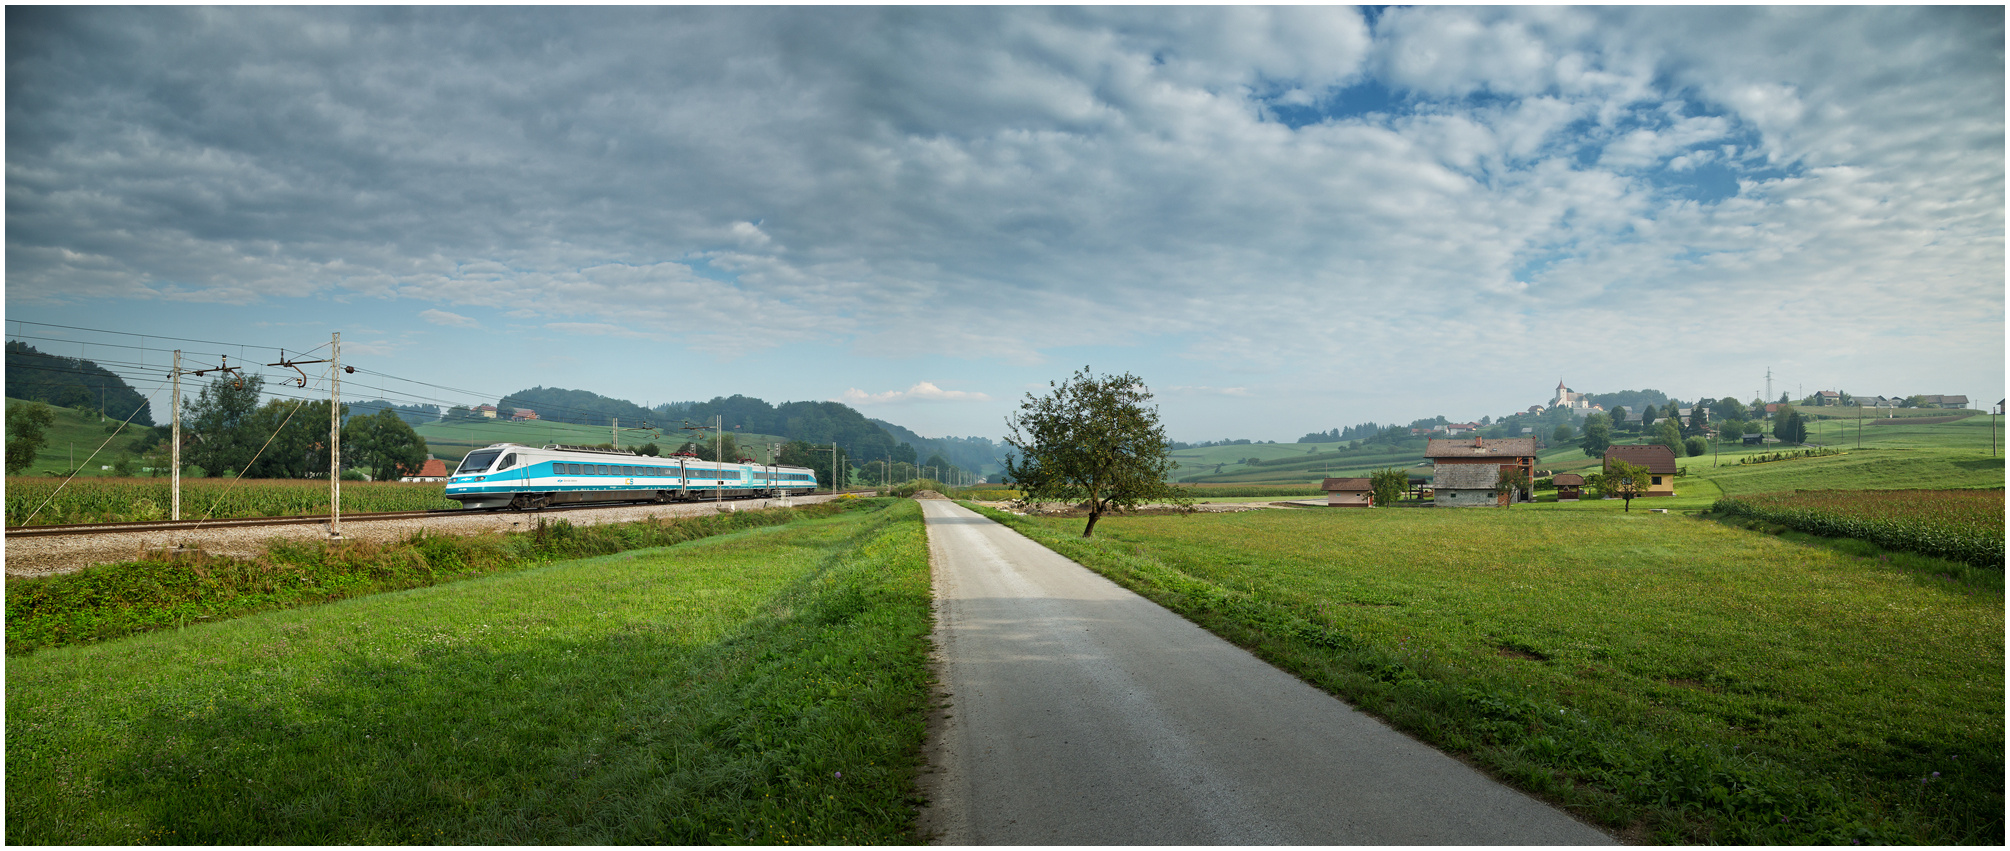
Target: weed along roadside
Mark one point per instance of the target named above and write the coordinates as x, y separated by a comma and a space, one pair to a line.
766, 685
1672, 679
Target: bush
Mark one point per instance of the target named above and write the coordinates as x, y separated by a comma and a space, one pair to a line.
1696, 446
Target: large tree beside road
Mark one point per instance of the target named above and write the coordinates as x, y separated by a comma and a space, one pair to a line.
1094, 439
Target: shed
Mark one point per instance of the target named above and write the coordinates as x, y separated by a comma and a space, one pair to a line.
1569, 486
1468, 486
1352, 493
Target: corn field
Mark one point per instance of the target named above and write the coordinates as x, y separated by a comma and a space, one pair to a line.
107, 500
1959, 525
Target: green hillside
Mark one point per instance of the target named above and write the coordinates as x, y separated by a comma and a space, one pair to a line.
452, 441
74, 436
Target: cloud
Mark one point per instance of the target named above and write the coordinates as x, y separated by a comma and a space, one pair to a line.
921, 392
1006, 184
451, 320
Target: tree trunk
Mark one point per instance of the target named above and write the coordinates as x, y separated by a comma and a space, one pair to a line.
1095, 511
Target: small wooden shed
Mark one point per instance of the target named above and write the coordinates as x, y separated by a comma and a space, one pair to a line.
1568, 486
1351, 493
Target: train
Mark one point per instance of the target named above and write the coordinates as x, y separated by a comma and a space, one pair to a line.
510, 475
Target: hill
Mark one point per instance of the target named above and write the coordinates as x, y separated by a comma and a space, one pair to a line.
71, 383
979, 455
74, 436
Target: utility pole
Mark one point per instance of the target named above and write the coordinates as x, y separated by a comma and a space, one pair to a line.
174, 448
615, 429
335, 439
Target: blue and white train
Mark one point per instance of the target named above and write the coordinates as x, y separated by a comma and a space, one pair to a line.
509, 475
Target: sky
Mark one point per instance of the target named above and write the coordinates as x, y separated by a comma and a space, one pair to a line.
1283, 220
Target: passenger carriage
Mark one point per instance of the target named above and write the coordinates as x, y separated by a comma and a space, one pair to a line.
514, 475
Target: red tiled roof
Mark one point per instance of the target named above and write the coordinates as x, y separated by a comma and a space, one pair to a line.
1655, 457
1347, 485
1500, 447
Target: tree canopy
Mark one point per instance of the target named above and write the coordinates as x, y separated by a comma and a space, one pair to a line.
72, 383
1597, 435
1095, 439
1623, 480
27, 428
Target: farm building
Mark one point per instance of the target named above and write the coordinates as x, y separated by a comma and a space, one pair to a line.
1752, 439
522, 415
1944, 401
434, 470
1660, 464
1569, 486
1492, 454
1468, 486
487, 411
1356, 493
1827, 398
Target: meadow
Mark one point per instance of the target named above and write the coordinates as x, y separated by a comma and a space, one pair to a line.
1671, 678
82, 441
766, 686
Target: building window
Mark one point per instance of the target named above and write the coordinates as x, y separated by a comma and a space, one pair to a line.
1657, 480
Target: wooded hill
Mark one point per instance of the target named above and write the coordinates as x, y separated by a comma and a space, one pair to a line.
71, 383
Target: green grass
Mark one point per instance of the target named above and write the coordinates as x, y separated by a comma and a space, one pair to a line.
1672, 678
73, 437
766, 687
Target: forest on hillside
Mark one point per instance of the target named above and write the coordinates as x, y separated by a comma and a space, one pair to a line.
72, 383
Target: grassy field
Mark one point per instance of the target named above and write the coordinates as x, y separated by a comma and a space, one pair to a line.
1672, 678
73, 437
762, 687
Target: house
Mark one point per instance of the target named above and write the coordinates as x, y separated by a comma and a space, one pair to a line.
1687, 413
522, 415
1353, 493
1660, 464
487, 411
1828, 397
1469, 486
1771, 409
1462, 428
1944, 401
1569, 486
433, 470
1446, 456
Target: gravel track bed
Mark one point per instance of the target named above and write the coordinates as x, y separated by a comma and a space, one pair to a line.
28, 557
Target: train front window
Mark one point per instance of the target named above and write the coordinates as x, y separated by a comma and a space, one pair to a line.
477, 462
507, 463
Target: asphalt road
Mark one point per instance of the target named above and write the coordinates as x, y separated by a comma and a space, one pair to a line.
1082, 714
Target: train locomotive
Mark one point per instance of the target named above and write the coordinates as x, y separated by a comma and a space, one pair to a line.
510, 475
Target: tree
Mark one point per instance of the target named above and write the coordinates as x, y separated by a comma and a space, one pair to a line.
1789, 427
1696, 446
1618, 416
27, 429
221, 438
1095, 439
1729, 408
1668, 435
1624, 480
1513, 482
1563, 433
384, 443
1388, 484
1597, 435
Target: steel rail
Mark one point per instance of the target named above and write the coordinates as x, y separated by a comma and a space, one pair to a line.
132, 526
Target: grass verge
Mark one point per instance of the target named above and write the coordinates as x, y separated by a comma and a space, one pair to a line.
1672, 679
112, 600
766, 686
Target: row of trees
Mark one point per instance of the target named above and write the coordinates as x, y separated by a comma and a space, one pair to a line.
225, 431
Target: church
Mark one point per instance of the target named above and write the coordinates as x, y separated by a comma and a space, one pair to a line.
1567, 399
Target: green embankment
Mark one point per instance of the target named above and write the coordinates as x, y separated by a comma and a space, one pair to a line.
1674, 679
766, 686
72, 438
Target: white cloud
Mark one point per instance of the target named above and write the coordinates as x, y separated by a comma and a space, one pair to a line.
922, 392
451, 320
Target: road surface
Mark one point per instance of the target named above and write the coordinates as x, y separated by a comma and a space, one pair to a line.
1082, 714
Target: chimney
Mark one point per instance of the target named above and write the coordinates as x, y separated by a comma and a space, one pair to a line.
1478, 443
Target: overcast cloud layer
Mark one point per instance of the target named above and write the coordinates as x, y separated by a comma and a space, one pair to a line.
1284, 219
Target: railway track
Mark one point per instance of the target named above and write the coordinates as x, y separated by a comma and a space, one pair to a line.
314, 520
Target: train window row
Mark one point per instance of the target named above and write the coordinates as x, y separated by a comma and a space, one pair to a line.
625, 470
